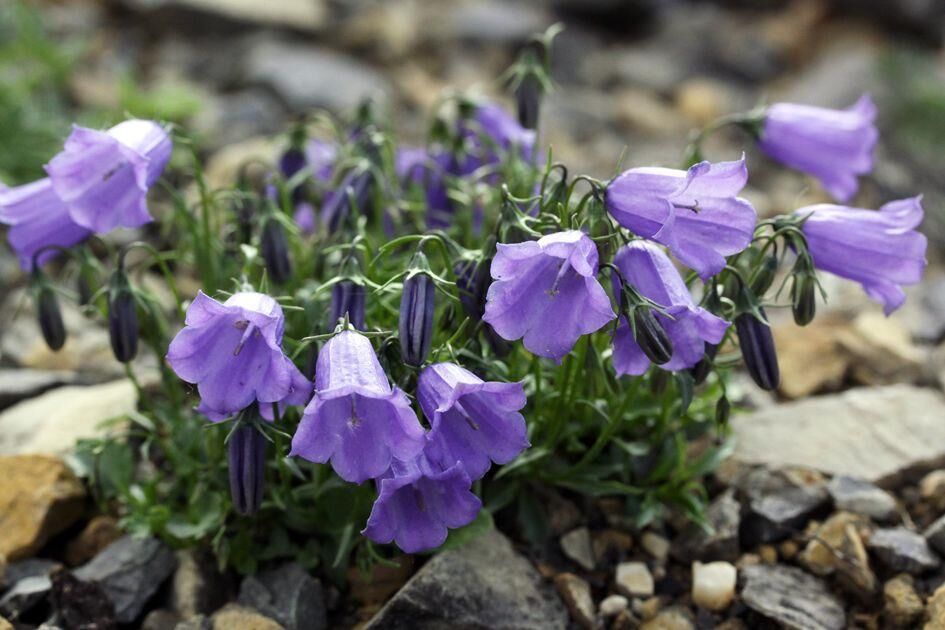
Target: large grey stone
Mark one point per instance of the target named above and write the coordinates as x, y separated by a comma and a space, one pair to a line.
873, 433
300, 14
289, 595
130, 571
935, 534
792, 597
862, 497
780, 503
903, 550
482, 584
19, 383
720, 543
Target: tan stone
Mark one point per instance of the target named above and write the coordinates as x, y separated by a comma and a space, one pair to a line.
5, 625
713, 584
701, 100
644, 111
99, 533
655, 545
39, 497
935, 610
932, 489
576, 594
810, 359
903, 607
634, 579
669, 619
837, 547
233, 616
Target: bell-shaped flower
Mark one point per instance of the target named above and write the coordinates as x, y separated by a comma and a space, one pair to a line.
879, 249
104, 176
37, 219
416, 166
418, 502
498, 130
547, 292
647, 268
233, 352
356, 420
695, 213
473, 422
832, 145
300, 392
321, 156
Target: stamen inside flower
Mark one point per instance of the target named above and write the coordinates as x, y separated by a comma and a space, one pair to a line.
353, 419
694, 207
472, 423
563, 269
248, 329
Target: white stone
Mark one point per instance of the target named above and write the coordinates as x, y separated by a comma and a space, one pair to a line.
874, 433
713, 584
53, 422
613, 605
634, 579
576, 545
655, 545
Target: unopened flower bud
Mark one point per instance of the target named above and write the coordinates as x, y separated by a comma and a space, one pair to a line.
723, 409
50, 317
765, 276
122, 319
275, 251
700, 371
803, 295
758, 351
650, 336
247, 462
416, 318
472, 281
84, 289
347, 297
528, 98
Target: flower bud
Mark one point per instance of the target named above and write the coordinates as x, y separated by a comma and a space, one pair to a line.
275, 251
528, 98
723, 409
765, 276
353, 193
84, 289
650, 336
472, 281
803, 292
50, 317
758, 351
347, 296
122, 319
246, 456
416, 318
700, 371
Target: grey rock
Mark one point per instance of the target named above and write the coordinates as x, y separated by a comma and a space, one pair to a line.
924, 16
307, 77
161, 619
19, 383
780, 503
482, 584
576, 545
130, 571
24, 595
494, 22
226, 119
862, 497
309, 15
197, 587
724, 517
31, 567
289, 595
903, 550
935, 535
845, 69
875, 433
791, 597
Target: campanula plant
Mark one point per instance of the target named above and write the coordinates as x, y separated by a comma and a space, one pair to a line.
391, 343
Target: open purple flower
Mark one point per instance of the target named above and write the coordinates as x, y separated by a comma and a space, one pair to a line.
356, 419
37, 219
695, 213
832, 145
104, 176
879, 249
473, 422
650, 271
498, 129
547, 292
418, 502
300, 392
321, 156
233, 352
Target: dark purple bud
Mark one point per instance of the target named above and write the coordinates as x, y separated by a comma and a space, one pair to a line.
650, 336
472, 282
247, 461
723, 409
122, 319
758, 351
700, 371
84, 289
275, 252
50, 317
416, 318
803, 292
347, 296
353, 193
290, 164
528, 98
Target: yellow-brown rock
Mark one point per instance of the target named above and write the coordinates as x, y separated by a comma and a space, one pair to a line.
39, 497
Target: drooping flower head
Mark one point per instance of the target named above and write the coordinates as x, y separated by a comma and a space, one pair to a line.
473, 422
104, 176
418, 501
356, 420
38, 219
695, 213
879, 249
547, 292
647, 268
416, 166
498, 129
321, 156
233, 352
832, 145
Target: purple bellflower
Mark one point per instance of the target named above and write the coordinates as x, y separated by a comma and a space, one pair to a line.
695, 213
233, 352
547, 292
417, 166
649, 270
499, 130
473, 422
38, 219
356, 419
879, 249
418, 501
832, 145
104, 176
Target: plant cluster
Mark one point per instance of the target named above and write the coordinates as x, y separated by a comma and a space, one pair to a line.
402, 341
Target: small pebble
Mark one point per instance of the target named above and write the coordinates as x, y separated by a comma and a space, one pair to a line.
634, 579
713, 584
655, 545
769, 555
788, 549
576, 545
576, 594
613, 605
